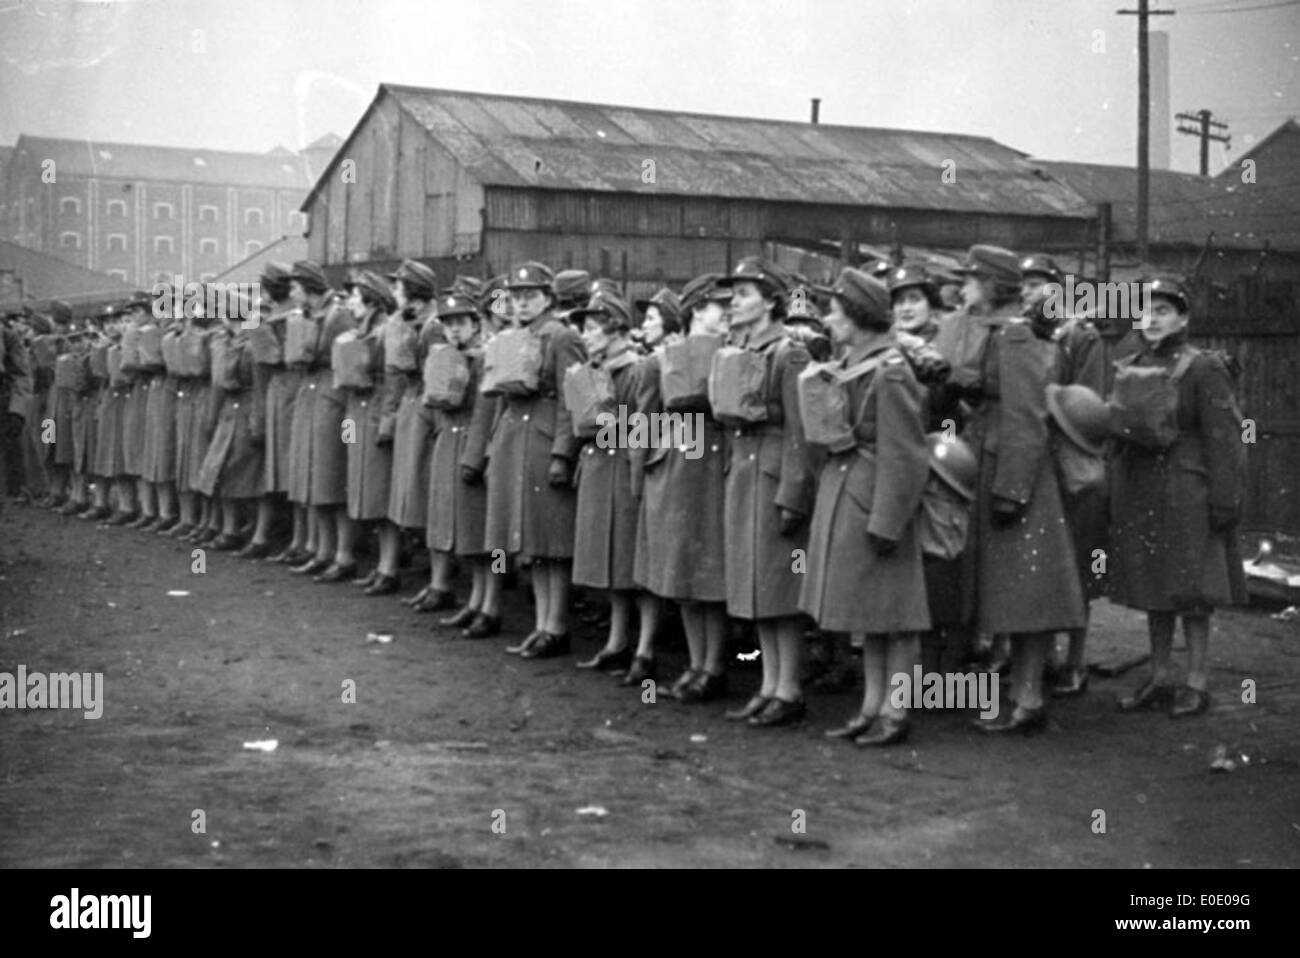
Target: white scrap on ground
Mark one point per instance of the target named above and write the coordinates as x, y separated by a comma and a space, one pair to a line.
263, 745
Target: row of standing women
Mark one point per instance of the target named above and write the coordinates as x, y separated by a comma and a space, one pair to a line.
810, 490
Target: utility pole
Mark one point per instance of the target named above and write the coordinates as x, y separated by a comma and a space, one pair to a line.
1202, 129
1144, 122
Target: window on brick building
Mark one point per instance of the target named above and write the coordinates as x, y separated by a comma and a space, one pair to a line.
69, 206
119, 273
117, 207
163, 211
163, 244
251, 247
208, 247
117, 242
207, 214
70, 240
252, 216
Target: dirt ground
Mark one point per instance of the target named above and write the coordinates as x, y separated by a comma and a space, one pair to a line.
447, 737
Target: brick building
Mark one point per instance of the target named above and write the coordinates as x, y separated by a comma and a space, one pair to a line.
143, 213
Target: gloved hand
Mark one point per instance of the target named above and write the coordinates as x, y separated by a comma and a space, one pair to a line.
881, 546
560, 473
471, 476
790, 522
383, 440
1222, 518
1007, 512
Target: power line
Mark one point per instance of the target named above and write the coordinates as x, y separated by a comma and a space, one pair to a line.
1194, 12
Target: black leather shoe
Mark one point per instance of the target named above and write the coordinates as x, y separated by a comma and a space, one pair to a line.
96, 514
336, 573
165, 526
682, 681
1070, 682
886, 730
779, 712
153, 524
642, 668
179, 531
1149, 696
526, 643
1189, 701
204, 536
853, 728
435, 600
1019, 720
384, 585
459, 619
367, 580
311, 567
140, 521
71, 507
705, 688
483, 627
121, 519
254, 550
413, 600
227, 543
748, 710
607, 661
549, 646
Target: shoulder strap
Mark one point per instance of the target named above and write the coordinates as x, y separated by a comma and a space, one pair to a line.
1184, 361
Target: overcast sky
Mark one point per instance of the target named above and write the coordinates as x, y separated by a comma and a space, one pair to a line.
251, 74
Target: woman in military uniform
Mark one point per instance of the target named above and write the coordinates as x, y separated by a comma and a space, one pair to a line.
769, 496
232, 467
604, 546
531, 502
274, 387
865, 571
408, 335
369, 449
457, 506
318, 468
158, 460
194, 422
1175, 509
680, 527
1020, 566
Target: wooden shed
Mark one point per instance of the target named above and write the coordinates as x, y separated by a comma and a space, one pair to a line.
473, 182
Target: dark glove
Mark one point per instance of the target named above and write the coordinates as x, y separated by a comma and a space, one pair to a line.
790, 522
559, 474
881, 546
383, 440
1222, 518
1007, 512
471, 476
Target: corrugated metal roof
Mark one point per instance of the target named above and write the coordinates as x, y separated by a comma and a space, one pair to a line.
1185, 208
552, 144
134, 161
48, 277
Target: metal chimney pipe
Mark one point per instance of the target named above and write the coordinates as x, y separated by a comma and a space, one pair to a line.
816, 108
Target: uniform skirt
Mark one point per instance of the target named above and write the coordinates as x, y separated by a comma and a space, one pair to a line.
370, 465
232, 465
409, 492
604, 547
159, 460
110, 460
761, 579
318, 458
281, 390
525, 513
680, 528
83, 432
63, 403
193, 431
848, 587
457, 512
135, 424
